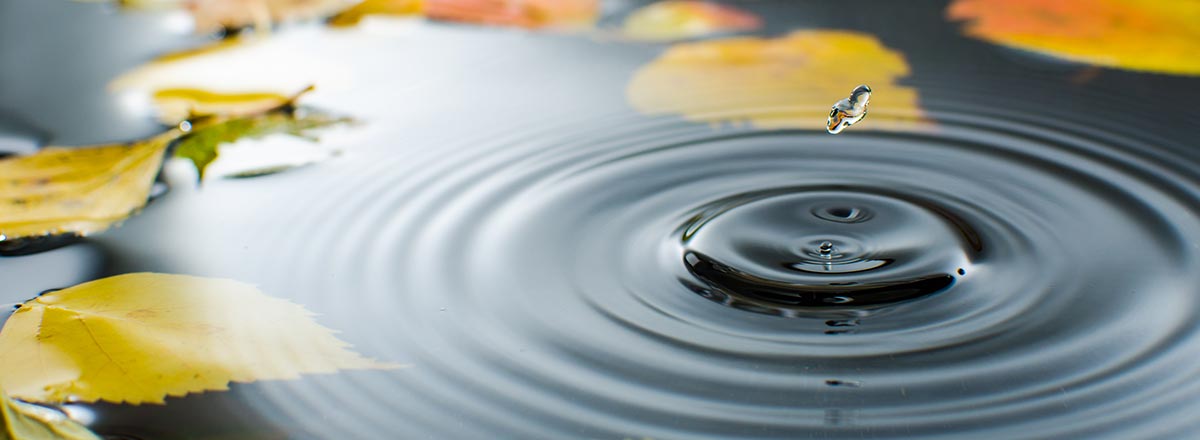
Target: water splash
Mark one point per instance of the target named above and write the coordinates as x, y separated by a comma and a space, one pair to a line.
849, 111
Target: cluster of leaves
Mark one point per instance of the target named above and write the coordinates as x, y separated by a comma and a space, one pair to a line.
120, 339
662, 21
84, 190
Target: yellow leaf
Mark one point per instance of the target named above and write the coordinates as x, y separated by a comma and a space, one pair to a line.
23, 421
680, 19
356, 13
176, 105
1155, 36
138, 338
77, 190
774, 83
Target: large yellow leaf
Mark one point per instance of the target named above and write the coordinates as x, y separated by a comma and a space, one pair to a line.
1156, 36
680, 19
138, 338
782, 82
77, 190
23, 421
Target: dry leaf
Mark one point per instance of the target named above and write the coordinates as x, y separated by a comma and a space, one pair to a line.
356, 13
774, 83
23, 421
676, 20
1155, 36
531, 14
77, 190
138, 338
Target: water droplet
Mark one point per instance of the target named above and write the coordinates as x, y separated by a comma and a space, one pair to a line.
185, 126
961, 271
3, 237
442, 309
839, 299
826, 249
849, 110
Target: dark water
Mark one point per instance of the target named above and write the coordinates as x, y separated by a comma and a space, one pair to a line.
553, 265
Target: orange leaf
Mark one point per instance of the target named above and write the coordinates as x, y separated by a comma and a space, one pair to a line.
1136, 35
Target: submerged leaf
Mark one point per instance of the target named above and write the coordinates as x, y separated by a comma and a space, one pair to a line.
23, 421
1130, 34
680, 19
138, 338
531, 14
201, 146
77, 190
773, 83
356, 13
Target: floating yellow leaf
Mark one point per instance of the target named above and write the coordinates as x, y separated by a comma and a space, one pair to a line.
354, 14
77, 190
1155, 36
680, 19
532, 14
23, 421
138, 338
175, 105
773, 83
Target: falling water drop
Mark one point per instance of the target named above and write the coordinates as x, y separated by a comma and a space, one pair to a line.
848, 111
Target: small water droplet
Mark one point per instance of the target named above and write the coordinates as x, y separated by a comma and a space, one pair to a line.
849, 111
826, 249
442, 309
839, 299
185, 126
961, 271
3, 237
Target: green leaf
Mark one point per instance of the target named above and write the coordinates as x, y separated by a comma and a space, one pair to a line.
201, 145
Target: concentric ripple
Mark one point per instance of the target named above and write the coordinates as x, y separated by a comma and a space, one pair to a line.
634, 277
814, 247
